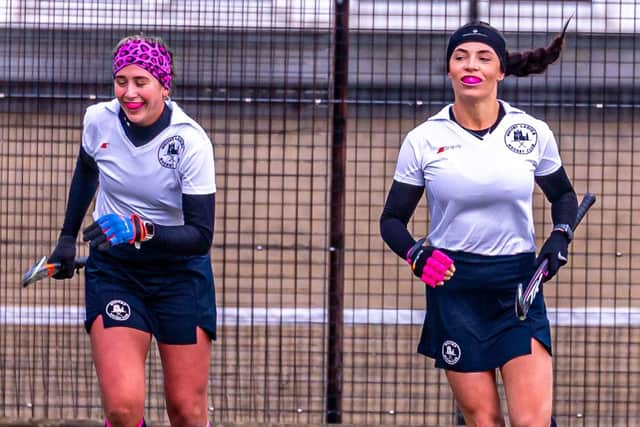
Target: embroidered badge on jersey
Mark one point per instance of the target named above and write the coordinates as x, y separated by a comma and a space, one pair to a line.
170, 152
118, 310
521, 138
451, 352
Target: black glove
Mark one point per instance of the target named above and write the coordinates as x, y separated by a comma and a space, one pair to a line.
556, 250
65, 254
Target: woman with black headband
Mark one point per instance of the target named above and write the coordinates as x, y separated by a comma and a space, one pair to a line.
478, 160
149, 270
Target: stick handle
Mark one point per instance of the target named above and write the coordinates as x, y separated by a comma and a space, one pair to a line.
79, 263
587, 201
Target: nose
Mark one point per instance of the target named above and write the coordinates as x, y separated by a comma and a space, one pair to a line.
130, 90
471, 63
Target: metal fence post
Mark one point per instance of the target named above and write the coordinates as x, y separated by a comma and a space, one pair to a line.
336, 254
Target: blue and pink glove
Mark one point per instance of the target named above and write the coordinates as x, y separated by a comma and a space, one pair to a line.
112, 229
429, 264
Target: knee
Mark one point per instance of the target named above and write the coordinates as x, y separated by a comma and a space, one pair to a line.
124, 409
122, 416
484, 419
187, 412
531, 418
487, 422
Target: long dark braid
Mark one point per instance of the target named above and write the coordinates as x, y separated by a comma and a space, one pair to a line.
535, 61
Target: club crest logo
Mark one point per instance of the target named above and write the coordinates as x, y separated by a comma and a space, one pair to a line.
521, 138
451, 352
118, 310
170, 152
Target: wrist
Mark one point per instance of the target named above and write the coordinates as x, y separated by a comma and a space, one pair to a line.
565, 229
65, 238
143, 231
413, 249
150, 230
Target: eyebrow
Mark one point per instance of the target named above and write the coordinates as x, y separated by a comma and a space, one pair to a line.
119, 76
479, 51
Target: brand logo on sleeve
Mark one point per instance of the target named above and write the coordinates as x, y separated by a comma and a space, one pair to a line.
521, 138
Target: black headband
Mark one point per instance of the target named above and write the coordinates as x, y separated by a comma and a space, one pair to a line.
479, 32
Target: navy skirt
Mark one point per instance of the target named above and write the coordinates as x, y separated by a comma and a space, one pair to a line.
167, 299
471, 323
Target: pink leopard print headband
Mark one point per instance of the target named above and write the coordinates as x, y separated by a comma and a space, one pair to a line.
151, 56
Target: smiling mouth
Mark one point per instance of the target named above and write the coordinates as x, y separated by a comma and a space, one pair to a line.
471, 80
134, 105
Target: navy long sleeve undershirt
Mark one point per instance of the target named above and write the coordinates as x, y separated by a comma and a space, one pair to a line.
558, 190
196, 235
398, 209
81, 191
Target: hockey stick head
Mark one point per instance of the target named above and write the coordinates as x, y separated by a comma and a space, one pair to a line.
520, 313
42, 269
525, 296
38, 271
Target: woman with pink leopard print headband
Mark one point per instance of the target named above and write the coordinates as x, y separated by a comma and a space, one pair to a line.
151, 169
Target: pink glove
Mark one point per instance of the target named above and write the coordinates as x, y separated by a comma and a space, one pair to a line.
429, 264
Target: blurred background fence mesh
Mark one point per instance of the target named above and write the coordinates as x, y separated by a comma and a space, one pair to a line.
307, 103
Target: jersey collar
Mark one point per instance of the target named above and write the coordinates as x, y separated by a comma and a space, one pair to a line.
443, 114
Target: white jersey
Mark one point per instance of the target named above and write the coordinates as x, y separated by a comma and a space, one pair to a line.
479, 191
148, 180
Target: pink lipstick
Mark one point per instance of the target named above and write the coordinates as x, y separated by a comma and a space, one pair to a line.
133, 105
472, 80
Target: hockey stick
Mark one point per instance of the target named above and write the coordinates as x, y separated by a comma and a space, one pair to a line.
524, 298
41, 269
